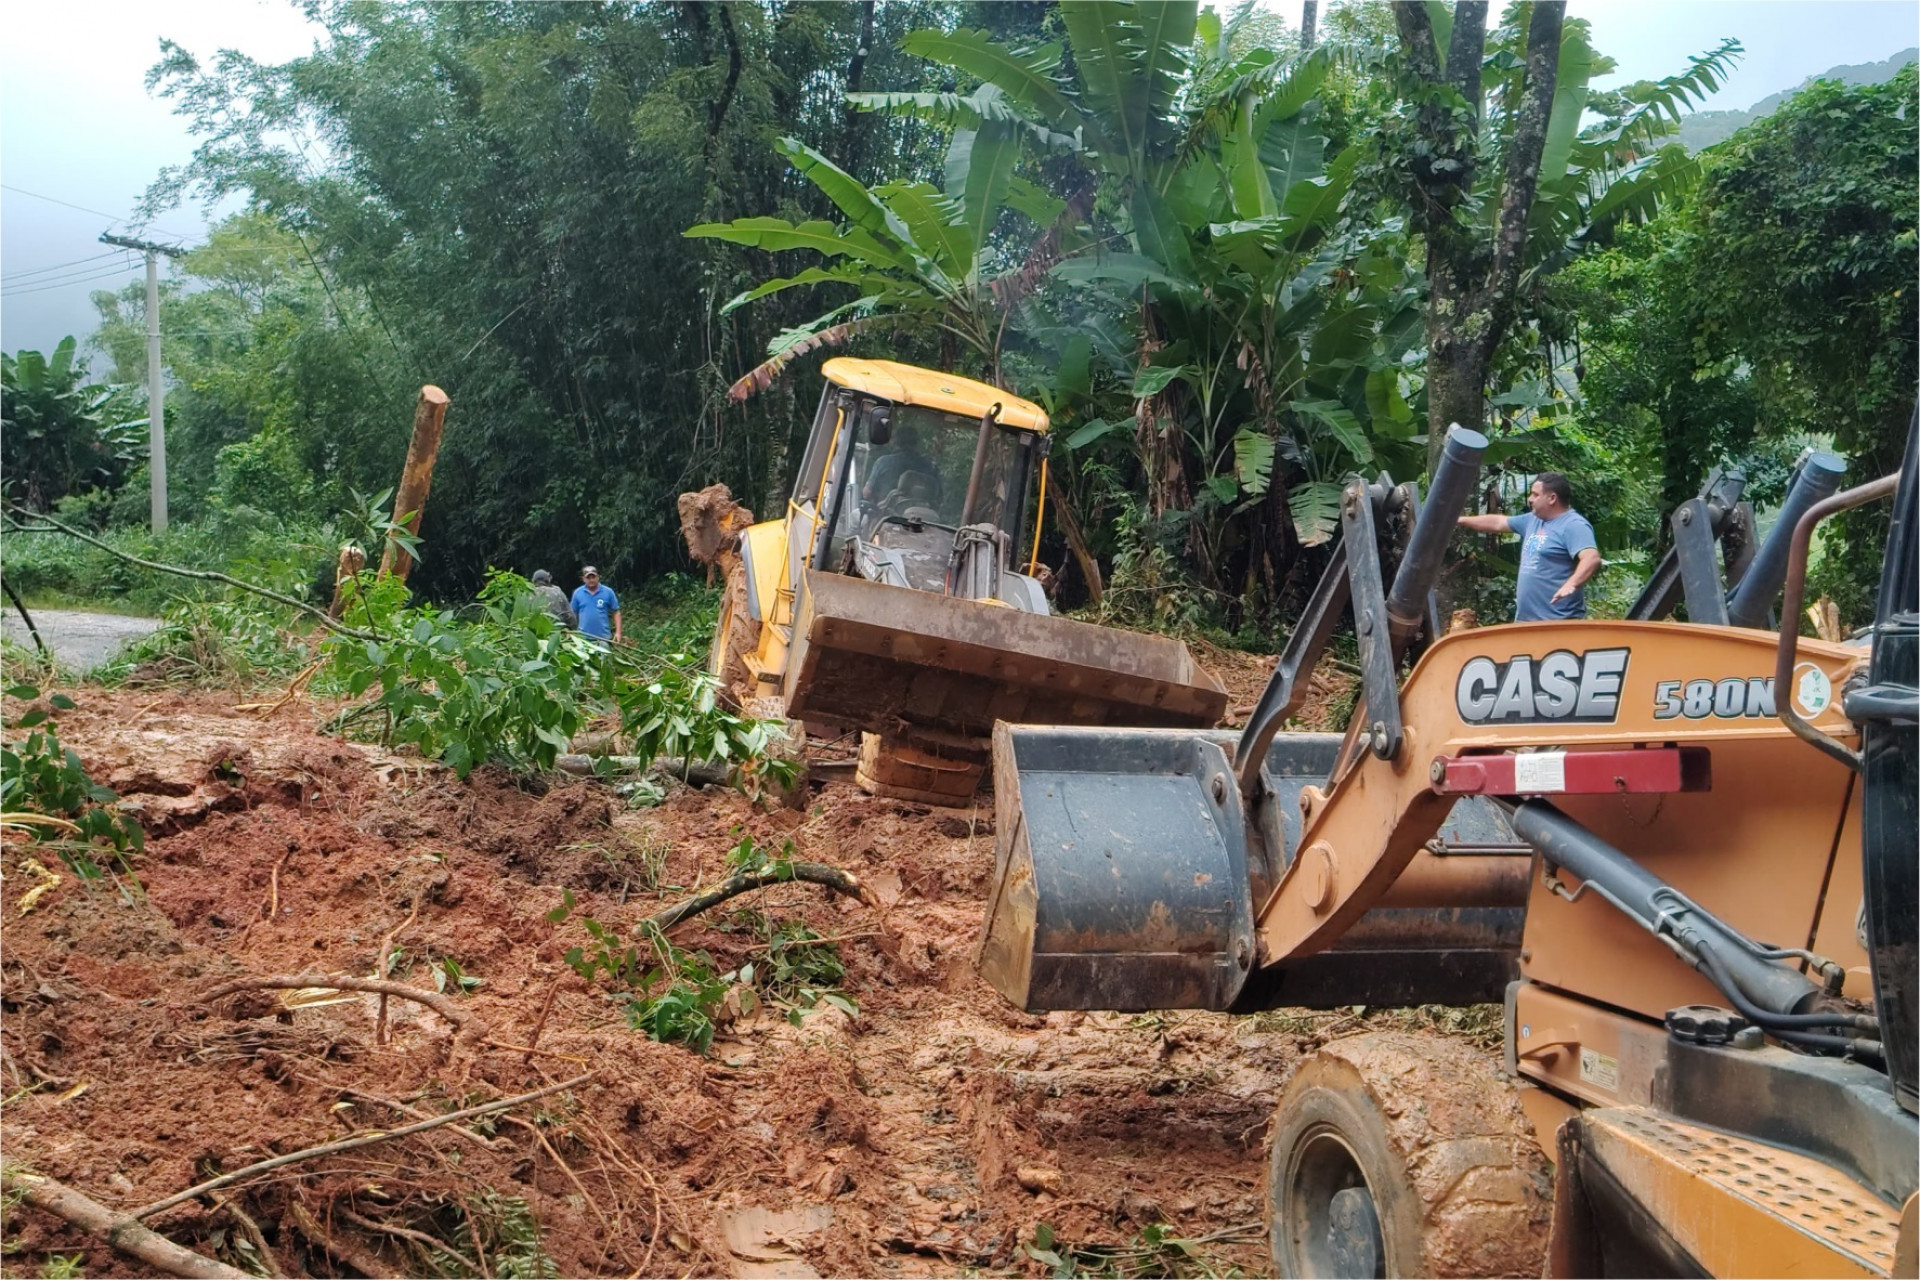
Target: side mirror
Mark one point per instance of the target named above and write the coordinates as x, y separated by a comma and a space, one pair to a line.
879, 424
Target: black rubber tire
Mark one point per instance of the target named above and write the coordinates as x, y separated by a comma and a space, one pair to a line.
1455, 1180
735, 635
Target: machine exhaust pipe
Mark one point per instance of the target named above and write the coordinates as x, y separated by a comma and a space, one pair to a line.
1817, 477
1453, 484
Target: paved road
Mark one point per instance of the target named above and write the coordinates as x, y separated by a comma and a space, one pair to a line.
79, 640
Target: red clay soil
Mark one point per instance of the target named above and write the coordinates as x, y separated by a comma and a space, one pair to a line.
931, 1133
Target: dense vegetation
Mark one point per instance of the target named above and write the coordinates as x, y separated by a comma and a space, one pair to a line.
1234, 270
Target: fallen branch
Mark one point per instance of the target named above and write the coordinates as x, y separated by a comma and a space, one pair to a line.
349, 1144
384, 965
460, 1018
408, 1233
119, 1230
25, 617
203, 575
812, 872
253, 1233
395, 1105
367, 1264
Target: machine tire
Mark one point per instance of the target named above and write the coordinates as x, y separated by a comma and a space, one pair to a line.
735, 635
1440, 1153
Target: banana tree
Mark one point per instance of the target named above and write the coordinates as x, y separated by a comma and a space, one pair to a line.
915, 256
1253, 339
61, 434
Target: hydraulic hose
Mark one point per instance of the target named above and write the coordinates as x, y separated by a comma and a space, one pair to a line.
1717, 971
1814, 1040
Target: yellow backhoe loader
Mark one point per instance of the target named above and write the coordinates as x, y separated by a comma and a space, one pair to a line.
890, 597
1683, 856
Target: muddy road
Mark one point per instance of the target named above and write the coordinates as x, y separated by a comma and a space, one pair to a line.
932, 1130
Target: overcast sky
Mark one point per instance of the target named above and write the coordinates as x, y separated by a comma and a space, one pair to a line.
80, 138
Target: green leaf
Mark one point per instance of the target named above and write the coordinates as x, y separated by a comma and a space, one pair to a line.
30, 719
936, 225
1340, 424
775, 234
1312, 204
1246, 175
565, 908
979, 167
24, 692
1569, 102
1025, 75
1253, 461
1154, 378
1386, 406
61, 702
847, 193
1128, 270
1293, 151
1094, 430
843, 274
1039, 206
1315, 508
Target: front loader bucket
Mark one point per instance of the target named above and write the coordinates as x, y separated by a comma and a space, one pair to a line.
876, 657
1121, 881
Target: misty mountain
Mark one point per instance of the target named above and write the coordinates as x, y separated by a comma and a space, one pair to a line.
1704, 128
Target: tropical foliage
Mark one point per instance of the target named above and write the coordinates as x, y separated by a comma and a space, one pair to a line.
61, 435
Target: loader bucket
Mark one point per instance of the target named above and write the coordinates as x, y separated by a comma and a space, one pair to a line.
1121, 882
876, 657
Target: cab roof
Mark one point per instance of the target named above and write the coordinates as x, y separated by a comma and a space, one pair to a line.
907, 384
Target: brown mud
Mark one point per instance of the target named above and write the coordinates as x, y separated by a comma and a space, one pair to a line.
933, 1132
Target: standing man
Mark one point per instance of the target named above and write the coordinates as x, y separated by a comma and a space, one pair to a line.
552, 599
1557, 551
597, 607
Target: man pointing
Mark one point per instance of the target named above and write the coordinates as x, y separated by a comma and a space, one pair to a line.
1557, 551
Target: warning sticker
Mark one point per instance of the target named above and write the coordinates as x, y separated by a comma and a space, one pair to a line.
1537, 771
1600, 1070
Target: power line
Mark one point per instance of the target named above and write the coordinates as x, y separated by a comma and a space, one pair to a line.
79, 207
67, 284
58, 266
70, 276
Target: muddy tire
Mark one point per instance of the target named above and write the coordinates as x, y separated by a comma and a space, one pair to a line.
734, 636
1401, 1155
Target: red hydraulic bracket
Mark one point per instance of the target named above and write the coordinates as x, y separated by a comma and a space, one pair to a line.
1542, 773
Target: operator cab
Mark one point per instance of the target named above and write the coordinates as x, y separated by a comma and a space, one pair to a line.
924, 480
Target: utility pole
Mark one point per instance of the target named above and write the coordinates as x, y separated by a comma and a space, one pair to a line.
156, 384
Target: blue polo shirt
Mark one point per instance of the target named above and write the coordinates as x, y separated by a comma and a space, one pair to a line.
1548, 551
596, 610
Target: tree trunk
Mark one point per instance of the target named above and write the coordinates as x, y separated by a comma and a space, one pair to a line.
429, 419
1309, 23
1473, 282
856, 71
1077, 543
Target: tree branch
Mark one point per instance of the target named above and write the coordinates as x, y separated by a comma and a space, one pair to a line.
1416, 41
117, 1229
1523, 165
349, 1144
446, 1008
813, 872
1465, 52
25, 617
203, 575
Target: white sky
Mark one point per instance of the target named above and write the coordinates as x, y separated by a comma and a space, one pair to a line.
77, 125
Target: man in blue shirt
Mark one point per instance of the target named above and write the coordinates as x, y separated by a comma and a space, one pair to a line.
598, 608
1557, 551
